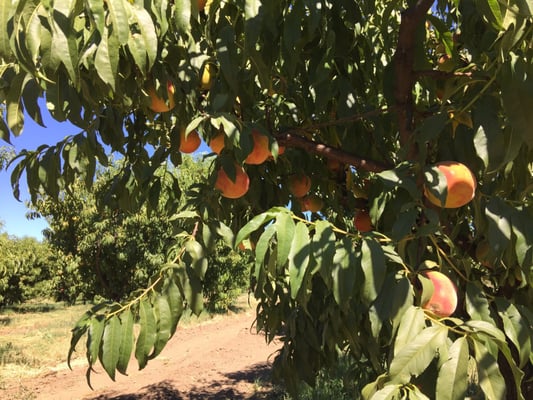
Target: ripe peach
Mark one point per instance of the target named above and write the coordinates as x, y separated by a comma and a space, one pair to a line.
299, 184
311, 202
260, 151
217, 143
443, 302
233, 189
362, 221
191, 142
333, 165
158, 104
461, 185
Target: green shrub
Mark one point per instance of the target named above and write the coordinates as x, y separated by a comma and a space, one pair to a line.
227, 276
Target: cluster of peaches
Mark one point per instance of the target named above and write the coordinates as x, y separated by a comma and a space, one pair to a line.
460, 188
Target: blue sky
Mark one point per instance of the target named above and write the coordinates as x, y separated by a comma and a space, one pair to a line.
13, 212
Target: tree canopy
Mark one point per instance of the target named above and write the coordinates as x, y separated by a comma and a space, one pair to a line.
359, 104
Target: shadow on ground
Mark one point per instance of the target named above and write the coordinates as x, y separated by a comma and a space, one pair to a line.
222, 390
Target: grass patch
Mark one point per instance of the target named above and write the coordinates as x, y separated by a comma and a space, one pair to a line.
35, 336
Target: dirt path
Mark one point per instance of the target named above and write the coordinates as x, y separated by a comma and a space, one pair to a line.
219, 359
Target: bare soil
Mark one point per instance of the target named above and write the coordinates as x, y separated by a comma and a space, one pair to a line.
223, 358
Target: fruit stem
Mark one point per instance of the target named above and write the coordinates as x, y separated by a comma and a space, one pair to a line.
445, 256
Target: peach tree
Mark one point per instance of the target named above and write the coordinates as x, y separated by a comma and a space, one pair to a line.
366, 99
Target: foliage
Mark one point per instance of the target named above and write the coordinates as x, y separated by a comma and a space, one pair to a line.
6, 154
25, 269
226, 278
387, 89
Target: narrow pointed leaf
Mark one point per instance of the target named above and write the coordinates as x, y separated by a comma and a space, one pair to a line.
285, 233
111, 341
175, 302
126, 341
411, 324
147, 334
94, 338
452, 381
298, 258
414, 358
344, 272
374, 269
490, 378
163, 323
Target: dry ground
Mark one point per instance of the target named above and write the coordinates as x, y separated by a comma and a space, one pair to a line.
222, 358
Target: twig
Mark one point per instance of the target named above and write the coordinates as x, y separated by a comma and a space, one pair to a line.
293, 140
442, 75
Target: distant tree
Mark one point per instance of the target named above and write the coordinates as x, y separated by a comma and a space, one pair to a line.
6, 154
25, 269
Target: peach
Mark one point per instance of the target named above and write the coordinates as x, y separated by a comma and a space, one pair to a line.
461, 185
299, 184
311, 202
233, 189
191, 142
158, 104
443, 302
362, 221
261, 150
217, 143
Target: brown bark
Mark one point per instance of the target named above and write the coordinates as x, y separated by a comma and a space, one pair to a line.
404, 69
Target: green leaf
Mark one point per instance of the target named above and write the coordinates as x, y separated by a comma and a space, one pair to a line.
182, 14
15, 115
517, 96
490, 379
111, 341
120, 26
147, 334
227, 56
477, 305
163, 319
147, 38
106, 60
344, 271
5, 14
374, 269
198, 260
414, 358
388, 392
323, 248
175, 302
491, 10
285, 231
97, 13
452, 381
516, 328
64, 47
126, 341
94, 338
487, 328
256, 222
298, 258
412, 323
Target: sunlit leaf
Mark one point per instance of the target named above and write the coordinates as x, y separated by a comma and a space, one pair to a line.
298, 258
452, 381
415, 357
147, 333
